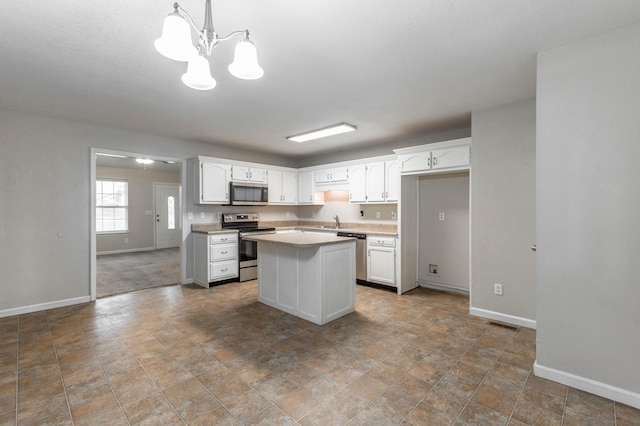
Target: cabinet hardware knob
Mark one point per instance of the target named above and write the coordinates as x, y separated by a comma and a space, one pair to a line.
534, 247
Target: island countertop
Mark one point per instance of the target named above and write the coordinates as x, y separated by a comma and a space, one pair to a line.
298, 239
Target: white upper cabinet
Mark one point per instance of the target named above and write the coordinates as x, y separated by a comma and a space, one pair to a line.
375, 182
249, 174
358, 184
435, 157
306, 189
332, 175
376, 191
211, 182
392, 181
283, 187
450, 157
415, 161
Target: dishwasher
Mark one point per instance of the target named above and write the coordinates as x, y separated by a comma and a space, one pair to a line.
361, 253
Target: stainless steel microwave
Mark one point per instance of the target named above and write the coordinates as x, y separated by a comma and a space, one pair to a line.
248, 194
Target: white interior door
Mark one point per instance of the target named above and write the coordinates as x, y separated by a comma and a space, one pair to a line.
168, 223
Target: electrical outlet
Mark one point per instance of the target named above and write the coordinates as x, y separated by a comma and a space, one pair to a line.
287, 214
219, 215
189, 215
441, 216
497, 289
201, 215
394, 215
377, 215
126, 241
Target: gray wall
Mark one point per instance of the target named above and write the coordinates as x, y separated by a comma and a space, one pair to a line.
141, 225
444, 242
44, 211
588, 209
503, 159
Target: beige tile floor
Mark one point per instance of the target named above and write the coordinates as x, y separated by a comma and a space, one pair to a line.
187, 355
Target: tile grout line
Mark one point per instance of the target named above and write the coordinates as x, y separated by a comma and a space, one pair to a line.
202, 384
104, 374
485, 375
564, 404
520, 395
17, 365
55, 351
442, 378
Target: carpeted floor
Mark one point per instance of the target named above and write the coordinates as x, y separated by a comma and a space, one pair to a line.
122, 273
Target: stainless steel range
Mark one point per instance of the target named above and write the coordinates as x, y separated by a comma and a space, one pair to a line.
246, 223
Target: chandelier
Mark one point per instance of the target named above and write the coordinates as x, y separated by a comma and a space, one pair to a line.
176, 43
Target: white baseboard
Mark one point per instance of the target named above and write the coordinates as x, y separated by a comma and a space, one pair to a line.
135, 250
443, 287
588, 385
43, 306
510, 319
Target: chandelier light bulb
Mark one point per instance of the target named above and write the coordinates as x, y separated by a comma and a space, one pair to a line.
175, 42
198, 75
245, 62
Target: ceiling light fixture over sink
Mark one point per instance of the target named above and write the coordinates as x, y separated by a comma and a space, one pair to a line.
175, 43
323, 133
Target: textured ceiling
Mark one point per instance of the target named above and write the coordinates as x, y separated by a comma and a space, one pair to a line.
395, 69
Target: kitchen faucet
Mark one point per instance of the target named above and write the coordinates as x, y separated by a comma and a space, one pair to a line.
337, 219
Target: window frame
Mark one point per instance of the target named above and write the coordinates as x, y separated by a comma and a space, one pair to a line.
114, 206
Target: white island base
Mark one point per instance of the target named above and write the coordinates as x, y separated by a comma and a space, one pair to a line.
311, 277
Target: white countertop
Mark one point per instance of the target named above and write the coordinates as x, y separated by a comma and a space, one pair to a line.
298, 239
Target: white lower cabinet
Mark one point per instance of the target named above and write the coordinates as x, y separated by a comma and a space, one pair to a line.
215, 257
381, 259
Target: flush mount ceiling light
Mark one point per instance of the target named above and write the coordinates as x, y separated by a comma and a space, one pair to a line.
144, 161
175, 43
323, 133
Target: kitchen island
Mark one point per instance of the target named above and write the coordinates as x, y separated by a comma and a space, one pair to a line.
311, 276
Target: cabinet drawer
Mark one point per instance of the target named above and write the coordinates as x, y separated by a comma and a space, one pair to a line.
381, 241
221, 270
223, 252
223, 238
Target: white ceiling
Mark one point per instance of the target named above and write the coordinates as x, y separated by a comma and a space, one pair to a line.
395, 69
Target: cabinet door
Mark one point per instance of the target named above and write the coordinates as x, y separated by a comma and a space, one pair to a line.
450, 157
358, 184
375, 182
392, 180
214, 182
306, 188
275, 186
339, 174
240, 173
415, 162
322, 176
381, 265
258, 175
289, 187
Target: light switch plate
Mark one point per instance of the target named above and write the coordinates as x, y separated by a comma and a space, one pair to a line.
201, 215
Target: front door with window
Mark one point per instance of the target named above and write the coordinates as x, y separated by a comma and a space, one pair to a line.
168, 223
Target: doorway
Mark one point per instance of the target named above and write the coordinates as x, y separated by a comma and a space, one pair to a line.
168, 223
144, 247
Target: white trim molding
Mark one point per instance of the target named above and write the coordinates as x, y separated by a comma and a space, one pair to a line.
510, 319
588, 385
44, 306
101, 253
